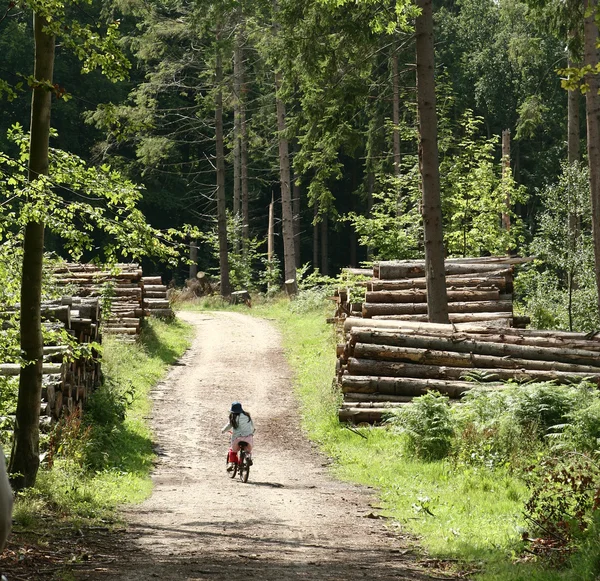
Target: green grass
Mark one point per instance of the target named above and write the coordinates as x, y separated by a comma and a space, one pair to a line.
463, 513
105, 459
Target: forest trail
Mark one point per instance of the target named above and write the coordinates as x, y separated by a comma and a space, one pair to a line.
290, 521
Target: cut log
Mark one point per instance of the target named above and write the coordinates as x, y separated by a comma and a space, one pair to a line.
467, 359
395, 270
518, 335
156, 304
490, 319
59, 312
393, 369
416, 296
360, 416
375, 397
152, 280
405, 386
374, 405
462, 343
155, 294
11, 369
374, 309
496, 279
120, 330
357, 271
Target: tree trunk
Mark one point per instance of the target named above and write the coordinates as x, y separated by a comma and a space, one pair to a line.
573, 132
220, 160
271, 238
193, 258
324, 245
287, 215
429, 166
573, 155
505, 177
593, 128
25, 460
315, 240
237, 127
243, 148
296, 208
396, 111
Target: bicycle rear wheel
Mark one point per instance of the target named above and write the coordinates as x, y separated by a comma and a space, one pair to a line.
244, 469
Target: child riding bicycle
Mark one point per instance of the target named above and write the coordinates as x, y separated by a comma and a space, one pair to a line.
242, 430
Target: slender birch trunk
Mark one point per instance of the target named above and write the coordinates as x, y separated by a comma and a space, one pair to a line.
220, 162
289, 259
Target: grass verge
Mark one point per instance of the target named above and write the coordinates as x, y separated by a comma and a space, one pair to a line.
103, 459
462, 513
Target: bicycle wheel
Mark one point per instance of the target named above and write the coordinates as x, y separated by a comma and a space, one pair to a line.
244, 469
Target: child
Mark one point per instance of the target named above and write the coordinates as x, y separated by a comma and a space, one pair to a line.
242, 429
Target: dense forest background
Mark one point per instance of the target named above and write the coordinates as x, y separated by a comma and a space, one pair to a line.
216, 92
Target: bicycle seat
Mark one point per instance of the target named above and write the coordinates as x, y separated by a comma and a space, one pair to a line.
242, 444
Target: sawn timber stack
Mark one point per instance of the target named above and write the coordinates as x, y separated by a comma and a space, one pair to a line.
385, 363
129, 295
67, 379
479, 290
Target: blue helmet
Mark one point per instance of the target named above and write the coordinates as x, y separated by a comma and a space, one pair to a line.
236, 408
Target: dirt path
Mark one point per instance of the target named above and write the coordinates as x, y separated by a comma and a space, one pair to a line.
290, 521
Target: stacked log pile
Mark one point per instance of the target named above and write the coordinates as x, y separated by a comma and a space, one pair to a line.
66, 381
385, 363
156, 302
479, 289
121, 286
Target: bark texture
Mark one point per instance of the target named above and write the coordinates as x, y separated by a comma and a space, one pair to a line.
429, 166
593, 128
220, 161
289, 257
25, 461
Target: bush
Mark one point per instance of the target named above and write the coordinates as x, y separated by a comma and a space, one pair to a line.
565, 495
426, 425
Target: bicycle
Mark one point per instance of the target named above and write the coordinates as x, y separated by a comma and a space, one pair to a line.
242, 466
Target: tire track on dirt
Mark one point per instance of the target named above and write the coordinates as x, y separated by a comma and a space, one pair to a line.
290, 521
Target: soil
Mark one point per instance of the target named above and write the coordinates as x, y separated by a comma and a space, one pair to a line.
291, 520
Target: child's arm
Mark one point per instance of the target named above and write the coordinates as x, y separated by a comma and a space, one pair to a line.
227, 426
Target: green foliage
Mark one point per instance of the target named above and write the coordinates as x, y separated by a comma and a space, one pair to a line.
506, 427
248, 266
473, 194
98, 461
426, 425
74, 201
565, 494
560, 291
393, 228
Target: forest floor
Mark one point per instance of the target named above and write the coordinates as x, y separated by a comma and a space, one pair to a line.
291, 520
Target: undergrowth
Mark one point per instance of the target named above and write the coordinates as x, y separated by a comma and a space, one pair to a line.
472, 484
96, 461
